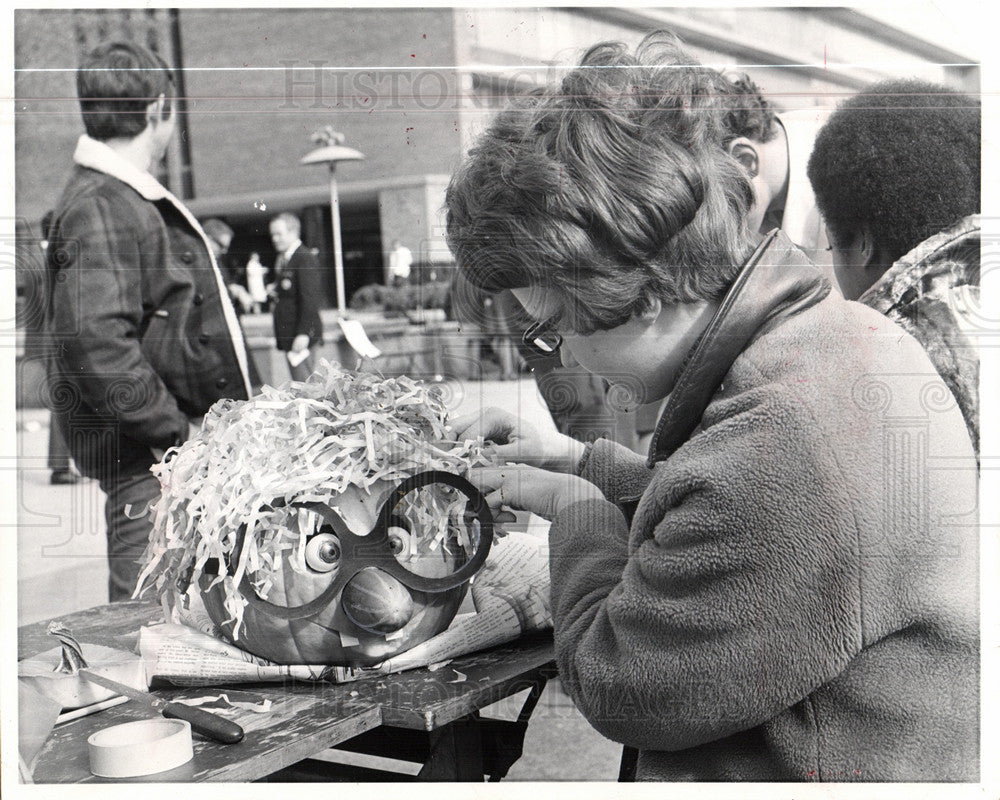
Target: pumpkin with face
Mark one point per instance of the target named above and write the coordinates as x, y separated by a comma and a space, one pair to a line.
323, 522
374, 616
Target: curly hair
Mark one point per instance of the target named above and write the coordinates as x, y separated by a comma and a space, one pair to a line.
745, 111
609, 188
901, 158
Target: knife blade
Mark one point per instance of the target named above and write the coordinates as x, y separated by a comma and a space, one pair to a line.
203, 722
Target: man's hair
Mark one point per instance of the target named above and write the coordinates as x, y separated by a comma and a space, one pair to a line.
115, 83
291, 221
217, 229
901, 158
745, 111
609, 188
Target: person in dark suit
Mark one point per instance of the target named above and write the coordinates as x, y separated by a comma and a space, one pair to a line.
59, 461
297, 291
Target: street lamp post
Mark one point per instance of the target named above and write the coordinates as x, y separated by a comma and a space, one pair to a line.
331, 152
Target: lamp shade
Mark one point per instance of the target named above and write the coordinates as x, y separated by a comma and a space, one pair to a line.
331, 154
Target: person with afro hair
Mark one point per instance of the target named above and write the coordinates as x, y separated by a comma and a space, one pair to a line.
896, 174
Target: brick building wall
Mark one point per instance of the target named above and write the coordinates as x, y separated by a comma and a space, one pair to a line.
262, 81
408, 87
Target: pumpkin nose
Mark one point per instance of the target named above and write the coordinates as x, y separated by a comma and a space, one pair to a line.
377, 602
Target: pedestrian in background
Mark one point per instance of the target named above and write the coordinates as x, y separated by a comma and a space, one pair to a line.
61, 472
256, 286
297, 291
30, 312
220, 237
145, 339
400, 263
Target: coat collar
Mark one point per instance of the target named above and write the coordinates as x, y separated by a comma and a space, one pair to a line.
98, 156
950, 257
776, 282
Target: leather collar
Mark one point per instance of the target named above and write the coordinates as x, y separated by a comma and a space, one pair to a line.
777, 281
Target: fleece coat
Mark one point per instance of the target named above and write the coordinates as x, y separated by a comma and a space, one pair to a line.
796, 594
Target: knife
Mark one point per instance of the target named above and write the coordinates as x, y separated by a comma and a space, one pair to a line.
203, 722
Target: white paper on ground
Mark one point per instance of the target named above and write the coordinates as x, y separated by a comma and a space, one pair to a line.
296, 357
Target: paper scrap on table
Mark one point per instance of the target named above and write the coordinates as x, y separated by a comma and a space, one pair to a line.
510, 593
93, 708
187, 657
358, 339
259, 705
296, 357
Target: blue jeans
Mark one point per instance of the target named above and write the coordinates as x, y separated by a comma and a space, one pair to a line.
127, 534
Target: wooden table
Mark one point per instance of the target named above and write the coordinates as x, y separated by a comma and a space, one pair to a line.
423, 716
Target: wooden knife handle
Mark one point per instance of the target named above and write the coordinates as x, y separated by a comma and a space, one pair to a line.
204, 722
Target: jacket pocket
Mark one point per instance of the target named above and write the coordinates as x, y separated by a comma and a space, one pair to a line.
156, 337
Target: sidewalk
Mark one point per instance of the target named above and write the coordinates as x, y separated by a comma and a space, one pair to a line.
62, 568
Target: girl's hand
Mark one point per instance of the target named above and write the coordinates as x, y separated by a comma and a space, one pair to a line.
519, 440
531, 489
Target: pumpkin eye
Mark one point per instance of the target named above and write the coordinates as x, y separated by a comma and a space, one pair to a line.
399, 541
323, 552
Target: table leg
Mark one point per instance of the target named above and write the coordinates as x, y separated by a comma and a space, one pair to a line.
456, 752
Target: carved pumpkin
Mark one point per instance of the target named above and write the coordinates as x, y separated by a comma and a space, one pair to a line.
250, 495
378, 618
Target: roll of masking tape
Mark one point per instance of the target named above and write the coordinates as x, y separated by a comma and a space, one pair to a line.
140, 748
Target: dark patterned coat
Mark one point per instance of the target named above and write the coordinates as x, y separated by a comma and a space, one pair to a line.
141, 339
933, 294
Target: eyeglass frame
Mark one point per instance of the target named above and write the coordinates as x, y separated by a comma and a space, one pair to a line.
374, 549
531, 334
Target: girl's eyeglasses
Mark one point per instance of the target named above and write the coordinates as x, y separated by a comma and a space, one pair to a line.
541, 339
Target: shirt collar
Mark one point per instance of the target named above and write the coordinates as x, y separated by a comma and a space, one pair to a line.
98, 156
940, 255
291, 250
